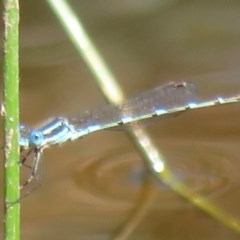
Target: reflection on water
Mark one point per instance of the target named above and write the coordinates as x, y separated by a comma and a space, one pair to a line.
99, 187
118, 177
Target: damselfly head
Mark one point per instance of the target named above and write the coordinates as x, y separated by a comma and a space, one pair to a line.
36, 138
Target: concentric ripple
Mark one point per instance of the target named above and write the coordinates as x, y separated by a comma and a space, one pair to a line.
207, 168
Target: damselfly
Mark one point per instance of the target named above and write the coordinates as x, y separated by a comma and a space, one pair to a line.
165, 100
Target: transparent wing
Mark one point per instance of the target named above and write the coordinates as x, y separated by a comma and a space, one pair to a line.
163, 97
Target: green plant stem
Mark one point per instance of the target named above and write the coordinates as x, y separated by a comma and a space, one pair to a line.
10, 110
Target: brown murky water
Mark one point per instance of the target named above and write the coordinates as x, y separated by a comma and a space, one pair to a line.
99, 187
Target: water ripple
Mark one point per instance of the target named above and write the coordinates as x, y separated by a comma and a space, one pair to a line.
207, 168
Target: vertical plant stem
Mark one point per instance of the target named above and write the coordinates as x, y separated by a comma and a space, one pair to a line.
10, 110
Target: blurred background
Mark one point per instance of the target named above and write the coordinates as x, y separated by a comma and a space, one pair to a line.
99, 187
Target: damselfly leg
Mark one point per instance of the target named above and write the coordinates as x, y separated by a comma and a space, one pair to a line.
30, 159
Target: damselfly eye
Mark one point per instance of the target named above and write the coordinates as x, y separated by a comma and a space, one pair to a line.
35, 138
